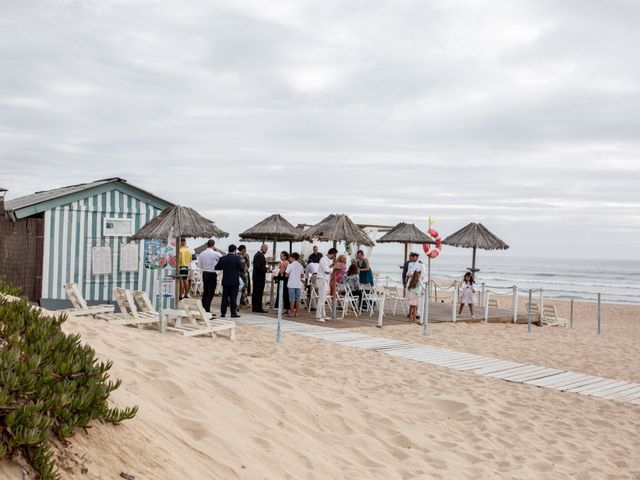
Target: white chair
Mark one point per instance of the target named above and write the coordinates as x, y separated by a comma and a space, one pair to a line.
346, 300
80, 307
369, 298
493, 303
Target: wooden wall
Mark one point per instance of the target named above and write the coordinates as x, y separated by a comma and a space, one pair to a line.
21, 251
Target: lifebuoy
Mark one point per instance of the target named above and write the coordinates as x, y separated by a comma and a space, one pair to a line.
427, 248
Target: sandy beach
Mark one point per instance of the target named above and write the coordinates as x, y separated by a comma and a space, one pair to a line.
251, 409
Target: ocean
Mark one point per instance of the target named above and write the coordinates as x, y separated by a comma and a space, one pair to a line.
617, 280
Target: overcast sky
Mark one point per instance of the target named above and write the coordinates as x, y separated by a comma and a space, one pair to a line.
523, 115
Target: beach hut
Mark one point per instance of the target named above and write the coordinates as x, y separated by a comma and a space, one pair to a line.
176, 222
77, 234
475, 235
408, 234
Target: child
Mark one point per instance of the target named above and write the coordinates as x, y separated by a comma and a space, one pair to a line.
294, 273
467, 293
414, 291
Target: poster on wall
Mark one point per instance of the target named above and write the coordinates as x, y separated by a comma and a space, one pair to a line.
159, 254
101, 260
129, 257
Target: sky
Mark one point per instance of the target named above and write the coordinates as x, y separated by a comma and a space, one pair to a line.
522, 115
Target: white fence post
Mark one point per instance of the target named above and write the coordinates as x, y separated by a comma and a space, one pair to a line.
486, 306
454, 302
541, 306
515, 304
381, 308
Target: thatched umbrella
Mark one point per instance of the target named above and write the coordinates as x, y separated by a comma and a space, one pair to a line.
406, 233
475, 235
274, 228
338, 228
176, 222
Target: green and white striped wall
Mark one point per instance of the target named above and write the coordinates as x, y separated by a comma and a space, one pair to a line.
71, 230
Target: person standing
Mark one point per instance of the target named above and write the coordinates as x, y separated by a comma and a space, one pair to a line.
413, 265
207, 262
315, 256
325, 269
364, 269
415, 289
294, 273
258, 277
184, 259
284, 263
246, 262
467, 293
232, 269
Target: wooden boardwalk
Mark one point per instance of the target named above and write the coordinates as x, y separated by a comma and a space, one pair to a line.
545, 377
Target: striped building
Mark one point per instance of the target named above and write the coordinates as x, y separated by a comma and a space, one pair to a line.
84, 230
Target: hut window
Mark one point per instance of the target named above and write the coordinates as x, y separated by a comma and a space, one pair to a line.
118, 227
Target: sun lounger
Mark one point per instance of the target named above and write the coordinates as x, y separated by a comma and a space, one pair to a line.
80, 307
146, 306
550, 317
201, 321
129, 314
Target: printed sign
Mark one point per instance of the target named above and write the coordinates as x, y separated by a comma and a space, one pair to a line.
158, 254
167, 287
129, 257
101, 260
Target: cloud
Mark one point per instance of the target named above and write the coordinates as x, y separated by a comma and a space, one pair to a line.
523, 115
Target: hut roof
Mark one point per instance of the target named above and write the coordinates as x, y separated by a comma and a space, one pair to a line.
178, 221
475, 235
274, 227
40, 201
338, 228
405, 233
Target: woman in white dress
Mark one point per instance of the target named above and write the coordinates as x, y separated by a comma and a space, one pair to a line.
467, 293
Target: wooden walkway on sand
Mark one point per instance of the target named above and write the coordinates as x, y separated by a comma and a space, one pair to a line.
545, 377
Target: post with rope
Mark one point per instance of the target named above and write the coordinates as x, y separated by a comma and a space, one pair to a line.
599, 317
278, 328
571, 316
381, 308
425, 315
541, 306
529, 313
486, 305
514, 304
454, 301
482, 293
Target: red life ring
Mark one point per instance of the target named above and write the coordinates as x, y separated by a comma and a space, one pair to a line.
436, 251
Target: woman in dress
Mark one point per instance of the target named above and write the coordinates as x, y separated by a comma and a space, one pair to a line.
284, 263
353, 280
415, 288
364, 268
467, 293
339, 270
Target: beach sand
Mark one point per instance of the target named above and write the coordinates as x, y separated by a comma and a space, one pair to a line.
308, 409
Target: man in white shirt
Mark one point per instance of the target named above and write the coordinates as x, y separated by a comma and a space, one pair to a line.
325, 268
294, 273
207, 262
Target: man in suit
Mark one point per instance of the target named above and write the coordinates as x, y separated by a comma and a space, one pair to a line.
232, 269
258, 278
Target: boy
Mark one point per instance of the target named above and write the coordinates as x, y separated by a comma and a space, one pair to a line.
294, 273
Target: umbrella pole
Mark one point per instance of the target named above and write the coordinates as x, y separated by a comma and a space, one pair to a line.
473, 262
406, 253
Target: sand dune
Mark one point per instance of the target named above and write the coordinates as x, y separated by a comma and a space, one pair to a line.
307, 409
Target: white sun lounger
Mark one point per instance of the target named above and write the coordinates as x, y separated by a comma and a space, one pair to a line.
129, 314
550, 317
80, 307
201, 321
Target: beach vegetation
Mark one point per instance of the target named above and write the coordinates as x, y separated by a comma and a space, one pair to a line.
51, 384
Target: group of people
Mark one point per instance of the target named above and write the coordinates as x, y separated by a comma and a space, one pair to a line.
322, 270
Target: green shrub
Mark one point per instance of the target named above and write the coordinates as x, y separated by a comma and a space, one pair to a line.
50, 385
8, 289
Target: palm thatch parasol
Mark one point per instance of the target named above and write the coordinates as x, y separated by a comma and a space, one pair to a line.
475, 235
338, 228
176, 222
406, 233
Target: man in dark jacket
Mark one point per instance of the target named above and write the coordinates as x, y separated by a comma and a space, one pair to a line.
258, 278
232, 268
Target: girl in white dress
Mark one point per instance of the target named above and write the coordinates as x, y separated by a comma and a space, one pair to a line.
467, 293
415, 289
